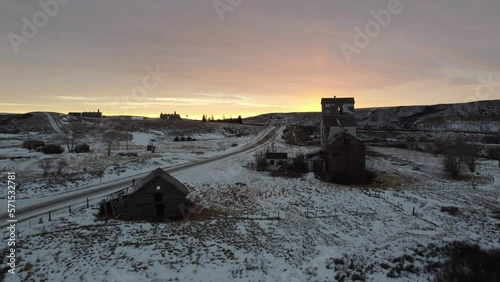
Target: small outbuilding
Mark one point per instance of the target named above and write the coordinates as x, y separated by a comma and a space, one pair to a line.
157, 196
316, 162
275, 161
345, 159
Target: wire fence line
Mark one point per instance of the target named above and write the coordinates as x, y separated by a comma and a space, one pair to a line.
68, 224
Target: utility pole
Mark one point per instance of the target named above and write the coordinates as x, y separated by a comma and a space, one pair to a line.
29, 145
498, 149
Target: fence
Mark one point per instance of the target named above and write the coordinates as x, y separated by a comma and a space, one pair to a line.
397, 206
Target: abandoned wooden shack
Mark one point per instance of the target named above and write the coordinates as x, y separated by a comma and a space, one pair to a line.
157, 196
345, 159
316, 162
275, 161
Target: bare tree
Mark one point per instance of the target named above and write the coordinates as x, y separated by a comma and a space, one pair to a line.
453, 165
457, 156
100, 169
470, 156
46, 165
61, 164
127, 137
111, 137
72, 136
260, 161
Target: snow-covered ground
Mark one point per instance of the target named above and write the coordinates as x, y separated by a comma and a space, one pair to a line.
81, 168
274, 229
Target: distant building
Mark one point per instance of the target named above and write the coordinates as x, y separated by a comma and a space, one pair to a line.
75, 114
316, 162
170, 116
275, 161
345, 159
337, 116
97, 114
157, 196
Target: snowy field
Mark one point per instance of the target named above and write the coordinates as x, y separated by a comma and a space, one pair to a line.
262, 228
81, 169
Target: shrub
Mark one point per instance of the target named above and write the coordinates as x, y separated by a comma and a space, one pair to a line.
52, 149
450, 210
189, 138
493, 153
468, 262
46, 165
176, 139
82, 148
260, 161
33, 144
453, 165
459, 155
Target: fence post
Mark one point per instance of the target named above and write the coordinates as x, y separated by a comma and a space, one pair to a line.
413, 212
50, 217
87, 202
69, 208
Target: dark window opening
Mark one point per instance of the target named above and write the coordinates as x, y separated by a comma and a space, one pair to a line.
158, 197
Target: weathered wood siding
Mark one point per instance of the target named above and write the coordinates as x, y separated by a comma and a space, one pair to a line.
346, 161
142, 204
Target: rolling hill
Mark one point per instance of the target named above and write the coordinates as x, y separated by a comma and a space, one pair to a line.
482, 116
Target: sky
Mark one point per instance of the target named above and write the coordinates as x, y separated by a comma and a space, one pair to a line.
244, 57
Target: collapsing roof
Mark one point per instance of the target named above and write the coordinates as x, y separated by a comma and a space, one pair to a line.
163, 174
